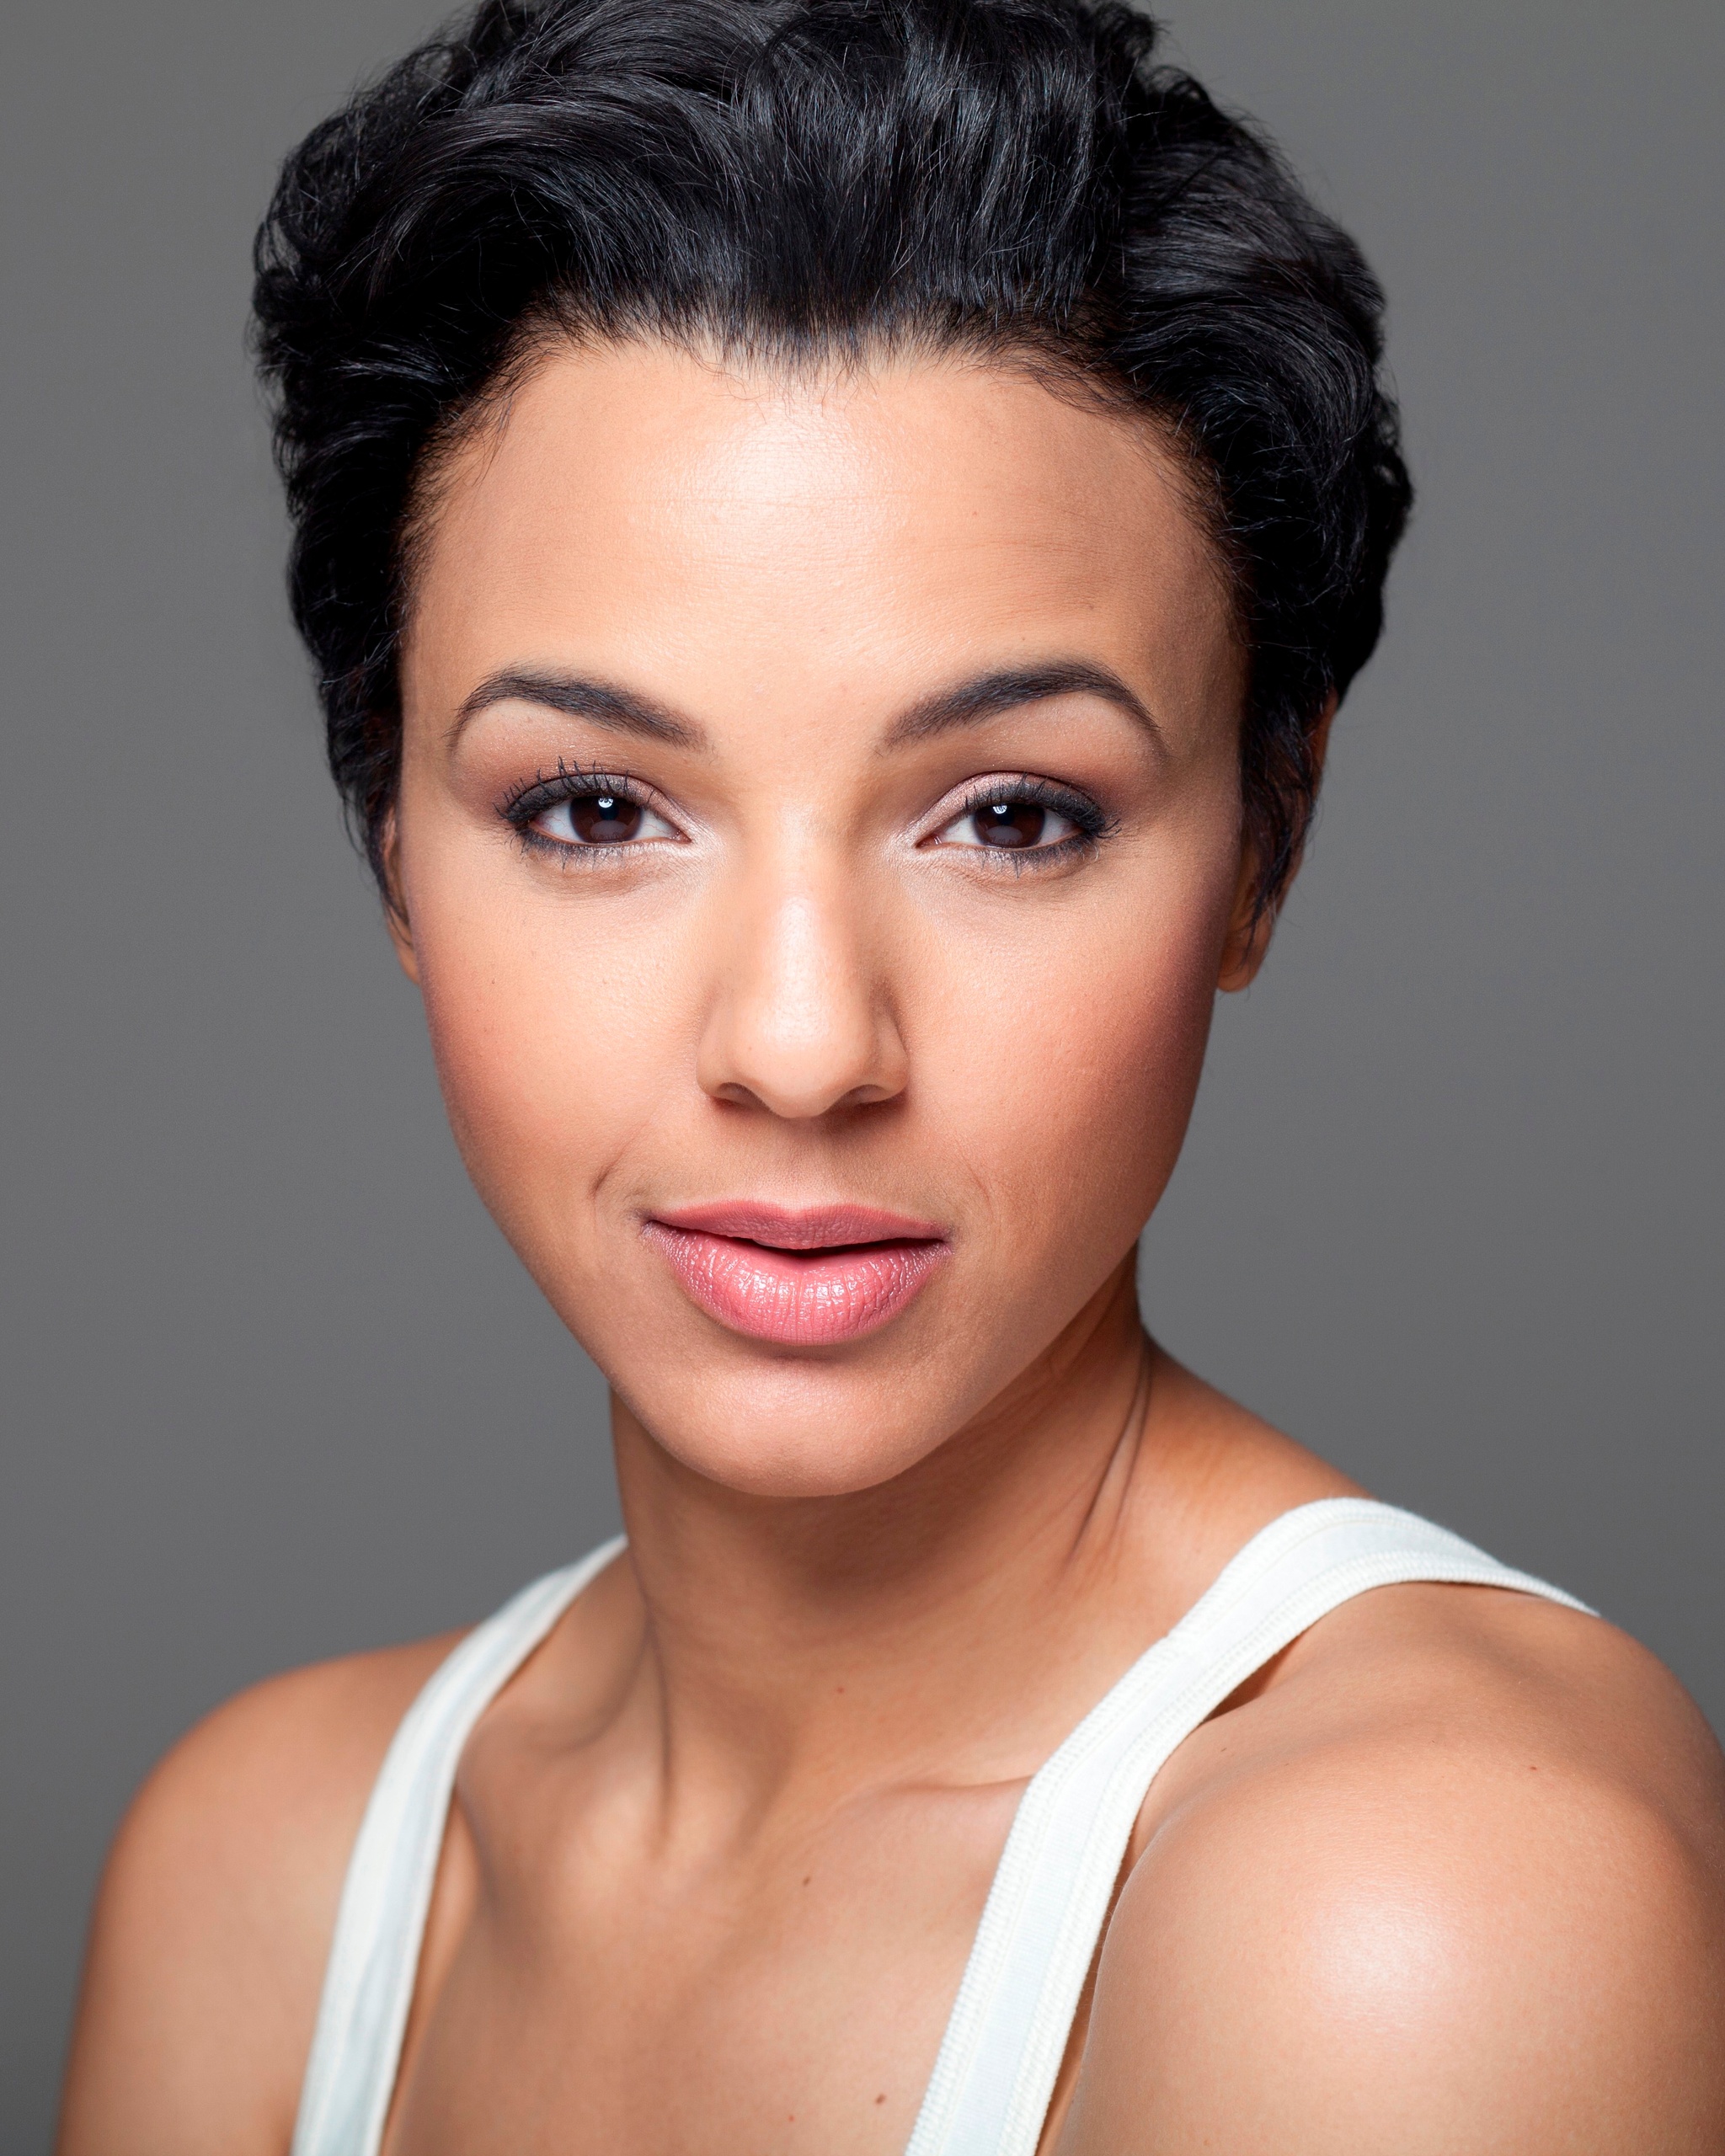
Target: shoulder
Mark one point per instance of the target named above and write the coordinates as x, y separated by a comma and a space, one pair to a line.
215, 1909
1454, 1878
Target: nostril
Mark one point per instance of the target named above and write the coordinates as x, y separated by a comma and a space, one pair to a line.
776, 1101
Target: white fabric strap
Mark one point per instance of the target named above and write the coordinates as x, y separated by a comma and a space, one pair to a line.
996, 2073
990, 2091
374, 1957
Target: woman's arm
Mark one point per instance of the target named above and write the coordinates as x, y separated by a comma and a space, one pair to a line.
215, 1914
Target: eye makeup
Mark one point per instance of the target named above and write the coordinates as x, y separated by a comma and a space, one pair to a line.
1025, 823
1017, 820
604, 813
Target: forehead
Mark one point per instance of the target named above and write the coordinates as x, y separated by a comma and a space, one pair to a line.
645, 513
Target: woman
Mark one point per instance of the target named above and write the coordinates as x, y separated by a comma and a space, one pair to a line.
832, 533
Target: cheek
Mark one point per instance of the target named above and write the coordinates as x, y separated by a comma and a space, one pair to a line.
556, 1039
1070, 1073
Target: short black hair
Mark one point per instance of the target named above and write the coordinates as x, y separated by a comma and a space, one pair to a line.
790, 177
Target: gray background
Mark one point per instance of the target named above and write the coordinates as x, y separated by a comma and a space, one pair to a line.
273, 1386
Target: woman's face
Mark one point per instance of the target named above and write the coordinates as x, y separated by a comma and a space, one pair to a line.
819, 846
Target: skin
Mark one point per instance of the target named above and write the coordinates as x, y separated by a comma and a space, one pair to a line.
1449, 1874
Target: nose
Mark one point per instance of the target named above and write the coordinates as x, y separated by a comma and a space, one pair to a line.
801, 1023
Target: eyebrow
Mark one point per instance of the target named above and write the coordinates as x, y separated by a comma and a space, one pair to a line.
973, 702
988, 695
623, 710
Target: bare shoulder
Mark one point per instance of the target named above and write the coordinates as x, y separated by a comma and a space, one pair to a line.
1454, 1878
215, 1910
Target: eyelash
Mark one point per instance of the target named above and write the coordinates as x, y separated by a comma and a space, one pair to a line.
1092, 823
569, 783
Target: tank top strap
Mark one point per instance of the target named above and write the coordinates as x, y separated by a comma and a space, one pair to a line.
368, 1986
998, 2062
997, 2065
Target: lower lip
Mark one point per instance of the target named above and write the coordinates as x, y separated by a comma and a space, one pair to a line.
797, 1298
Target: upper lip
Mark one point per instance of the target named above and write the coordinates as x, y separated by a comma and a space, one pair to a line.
806, 1227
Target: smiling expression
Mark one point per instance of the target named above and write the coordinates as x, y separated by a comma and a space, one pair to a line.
819, 844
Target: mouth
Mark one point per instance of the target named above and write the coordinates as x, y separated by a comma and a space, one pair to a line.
809, 1279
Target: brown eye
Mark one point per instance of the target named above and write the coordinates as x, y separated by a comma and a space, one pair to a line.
1010, 822
604, 818
1004, 826
598, 818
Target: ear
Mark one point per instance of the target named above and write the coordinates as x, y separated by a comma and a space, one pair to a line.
1251, 926
395, 910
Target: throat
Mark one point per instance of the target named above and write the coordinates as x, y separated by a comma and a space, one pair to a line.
953, 1622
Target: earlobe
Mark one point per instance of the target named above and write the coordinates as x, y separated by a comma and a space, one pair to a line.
1250, 927
395, 911
1252, 921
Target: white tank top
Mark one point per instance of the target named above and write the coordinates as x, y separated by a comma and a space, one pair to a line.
996, 2072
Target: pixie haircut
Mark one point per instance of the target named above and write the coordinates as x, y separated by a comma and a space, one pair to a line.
790, 181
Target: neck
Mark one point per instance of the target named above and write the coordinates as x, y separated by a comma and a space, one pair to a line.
966, 1611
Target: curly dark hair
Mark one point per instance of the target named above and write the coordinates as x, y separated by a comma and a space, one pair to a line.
789, 176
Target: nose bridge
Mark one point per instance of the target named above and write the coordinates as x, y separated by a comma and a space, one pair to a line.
800, 1021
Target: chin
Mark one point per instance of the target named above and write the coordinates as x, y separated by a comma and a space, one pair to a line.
791, 1429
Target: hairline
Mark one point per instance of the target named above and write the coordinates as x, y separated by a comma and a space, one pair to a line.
545, 328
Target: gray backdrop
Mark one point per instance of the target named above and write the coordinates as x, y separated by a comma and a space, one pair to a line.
272, 1384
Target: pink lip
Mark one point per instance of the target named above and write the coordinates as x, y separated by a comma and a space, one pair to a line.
806, 1279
